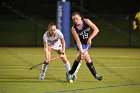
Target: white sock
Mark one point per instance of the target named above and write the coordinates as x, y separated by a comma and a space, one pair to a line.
67, 66
77, 69
44, 68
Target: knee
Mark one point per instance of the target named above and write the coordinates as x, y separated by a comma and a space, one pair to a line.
88, 60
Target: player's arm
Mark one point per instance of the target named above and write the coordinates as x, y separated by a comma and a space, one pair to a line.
94, 28
63, 45
47, 52
77, 39
46, 49
136, 20
134, 24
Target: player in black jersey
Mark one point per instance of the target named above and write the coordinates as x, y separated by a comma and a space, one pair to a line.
81, 31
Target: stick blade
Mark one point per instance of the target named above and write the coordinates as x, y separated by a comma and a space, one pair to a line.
30, 68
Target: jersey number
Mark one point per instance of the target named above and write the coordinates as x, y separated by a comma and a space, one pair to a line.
85, 36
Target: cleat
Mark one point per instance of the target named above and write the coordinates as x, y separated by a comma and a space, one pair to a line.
42, 76
74, 77
99, 77
69, 78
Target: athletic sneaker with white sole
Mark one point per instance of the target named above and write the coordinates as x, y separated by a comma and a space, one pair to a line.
74, 77
42, 76
99, 77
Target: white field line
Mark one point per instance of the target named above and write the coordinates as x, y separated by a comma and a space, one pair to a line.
134, 67
112, 56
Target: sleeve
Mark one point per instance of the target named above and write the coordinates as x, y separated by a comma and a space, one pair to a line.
45, 38
60, 34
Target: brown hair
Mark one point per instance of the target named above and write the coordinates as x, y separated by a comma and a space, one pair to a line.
76, 13
51, 24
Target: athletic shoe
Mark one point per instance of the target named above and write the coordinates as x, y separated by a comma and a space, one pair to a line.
69, 78
74, 77
99, 77
42, 76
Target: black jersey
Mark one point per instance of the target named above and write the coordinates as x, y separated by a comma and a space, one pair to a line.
84, 33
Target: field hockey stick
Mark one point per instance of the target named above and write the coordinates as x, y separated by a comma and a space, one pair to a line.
85, 50
78, 67
82, 59
43, 62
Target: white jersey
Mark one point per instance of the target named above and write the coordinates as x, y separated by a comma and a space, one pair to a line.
53, 42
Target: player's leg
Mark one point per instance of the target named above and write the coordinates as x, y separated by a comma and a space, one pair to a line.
77, 69
78, 61
91, 67
66, 65
45, 66
65, 60
75, 64
71, 75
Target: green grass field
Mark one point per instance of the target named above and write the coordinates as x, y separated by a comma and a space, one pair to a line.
119, 66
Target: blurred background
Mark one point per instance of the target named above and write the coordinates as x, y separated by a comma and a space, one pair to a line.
23, 22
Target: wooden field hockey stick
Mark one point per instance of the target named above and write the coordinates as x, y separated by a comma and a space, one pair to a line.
43, 62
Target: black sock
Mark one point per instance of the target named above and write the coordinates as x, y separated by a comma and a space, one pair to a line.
74, 66
91, 68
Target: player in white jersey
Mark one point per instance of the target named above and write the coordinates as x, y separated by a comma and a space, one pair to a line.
54, 40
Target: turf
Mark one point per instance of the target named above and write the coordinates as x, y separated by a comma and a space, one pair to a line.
119, 66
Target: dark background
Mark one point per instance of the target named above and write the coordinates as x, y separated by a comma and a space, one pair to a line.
23, 22
47, 8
